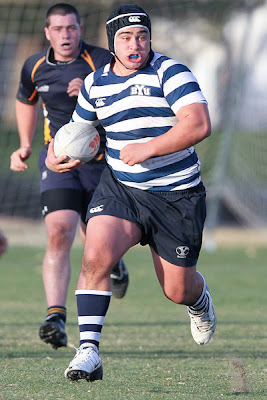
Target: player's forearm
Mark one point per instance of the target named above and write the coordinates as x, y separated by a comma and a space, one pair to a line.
26, 121
192, 128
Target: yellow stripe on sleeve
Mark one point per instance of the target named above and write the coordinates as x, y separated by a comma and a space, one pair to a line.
88, 59
33, 95
36, 66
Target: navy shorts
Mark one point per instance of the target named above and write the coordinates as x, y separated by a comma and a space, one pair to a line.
70, 190
171, 222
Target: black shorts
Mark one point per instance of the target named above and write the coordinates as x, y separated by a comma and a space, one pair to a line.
68, 191
171, 222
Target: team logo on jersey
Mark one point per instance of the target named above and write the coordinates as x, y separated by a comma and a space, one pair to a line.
182, 251
134, 18
140, 90
96, 209
100, 102
44, 88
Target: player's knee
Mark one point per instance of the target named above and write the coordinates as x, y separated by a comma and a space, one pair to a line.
176, 294
60, 236
93, 263
89, 262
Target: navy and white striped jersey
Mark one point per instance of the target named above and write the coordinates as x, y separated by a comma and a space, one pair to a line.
137, 108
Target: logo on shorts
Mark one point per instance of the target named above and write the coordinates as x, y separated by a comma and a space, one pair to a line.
44, 175
96, 209
45, 210
182, 251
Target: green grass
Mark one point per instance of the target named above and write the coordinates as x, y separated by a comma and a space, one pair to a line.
146, 345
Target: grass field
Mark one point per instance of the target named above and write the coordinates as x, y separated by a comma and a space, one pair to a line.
146, 345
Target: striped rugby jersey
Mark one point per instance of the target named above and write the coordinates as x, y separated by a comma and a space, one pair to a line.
137, 108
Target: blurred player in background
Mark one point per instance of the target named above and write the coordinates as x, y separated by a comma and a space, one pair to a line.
56, 75
151, 193
3, 243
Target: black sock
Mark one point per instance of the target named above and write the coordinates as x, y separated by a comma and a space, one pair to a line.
56, 312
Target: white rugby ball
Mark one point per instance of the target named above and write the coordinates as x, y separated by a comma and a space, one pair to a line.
77, 140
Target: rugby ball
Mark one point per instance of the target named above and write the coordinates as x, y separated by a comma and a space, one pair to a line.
77, 140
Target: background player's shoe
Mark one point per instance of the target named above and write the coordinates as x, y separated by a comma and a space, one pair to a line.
86, 364
119, 279
203, 324
52, 331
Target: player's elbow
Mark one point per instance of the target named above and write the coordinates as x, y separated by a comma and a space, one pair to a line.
203, 122
206, 129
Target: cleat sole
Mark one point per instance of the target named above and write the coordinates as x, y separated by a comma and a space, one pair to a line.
75, 375
49, 334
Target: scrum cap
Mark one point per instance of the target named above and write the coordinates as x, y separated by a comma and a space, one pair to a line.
122, 16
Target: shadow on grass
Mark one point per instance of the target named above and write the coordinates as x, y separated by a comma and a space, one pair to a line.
184, 354
38, 353
115, 324
155, 354
173, 322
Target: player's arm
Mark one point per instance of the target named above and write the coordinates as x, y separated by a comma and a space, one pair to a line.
3, 243
26, 115
60, 164
192, 127
74, 87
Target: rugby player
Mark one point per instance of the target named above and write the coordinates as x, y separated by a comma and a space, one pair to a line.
56, 76
151, 192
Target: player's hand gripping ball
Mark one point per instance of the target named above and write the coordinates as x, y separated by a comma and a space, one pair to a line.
77, 140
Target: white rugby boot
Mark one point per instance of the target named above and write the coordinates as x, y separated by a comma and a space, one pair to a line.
86, 364
203, 324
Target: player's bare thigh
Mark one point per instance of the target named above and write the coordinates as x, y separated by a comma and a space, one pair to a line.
107, 240
111, 237
182, 285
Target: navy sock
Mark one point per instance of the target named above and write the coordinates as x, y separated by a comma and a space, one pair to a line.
202, 303
92, 307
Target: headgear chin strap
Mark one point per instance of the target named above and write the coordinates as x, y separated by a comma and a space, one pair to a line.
122, 16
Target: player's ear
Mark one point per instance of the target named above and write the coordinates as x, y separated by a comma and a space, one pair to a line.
47, 34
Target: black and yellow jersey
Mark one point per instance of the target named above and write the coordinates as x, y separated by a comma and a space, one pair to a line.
43, 77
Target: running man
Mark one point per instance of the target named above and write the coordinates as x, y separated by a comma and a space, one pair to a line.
56, 76
151, 193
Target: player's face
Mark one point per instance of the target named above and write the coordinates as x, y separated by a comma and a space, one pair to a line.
64, 34
132, 46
